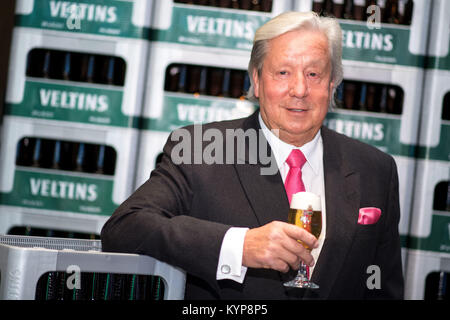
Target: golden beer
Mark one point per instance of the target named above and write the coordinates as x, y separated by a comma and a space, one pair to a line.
309, 219
306, 212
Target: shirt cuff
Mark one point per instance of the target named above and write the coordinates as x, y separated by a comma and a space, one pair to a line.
230, 258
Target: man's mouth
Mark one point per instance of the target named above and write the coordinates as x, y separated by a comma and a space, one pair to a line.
297, 110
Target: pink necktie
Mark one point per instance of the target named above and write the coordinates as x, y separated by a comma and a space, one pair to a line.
294, 182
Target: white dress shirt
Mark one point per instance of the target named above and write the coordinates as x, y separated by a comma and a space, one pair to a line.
230, 258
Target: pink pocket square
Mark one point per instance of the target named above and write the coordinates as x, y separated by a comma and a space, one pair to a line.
369, 215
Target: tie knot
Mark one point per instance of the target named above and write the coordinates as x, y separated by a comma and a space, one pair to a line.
296, 159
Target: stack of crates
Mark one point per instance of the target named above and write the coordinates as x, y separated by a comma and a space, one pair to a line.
76, 269
197, 67
379, 101
74, 97
429, 241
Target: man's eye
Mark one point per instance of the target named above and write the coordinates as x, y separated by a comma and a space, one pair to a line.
283, 73
313, 74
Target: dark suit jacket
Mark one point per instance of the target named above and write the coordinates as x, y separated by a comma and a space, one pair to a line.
180, 216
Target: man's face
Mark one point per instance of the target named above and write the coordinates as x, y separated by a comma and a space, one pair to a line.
294, 87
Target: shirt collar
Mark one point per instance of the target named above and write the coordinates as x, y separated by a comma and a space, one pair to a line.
281, 149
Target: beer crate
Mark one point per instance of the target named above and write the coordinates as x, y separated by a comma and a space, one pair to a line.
111, 20
201, 91
76, 80
392, 41
70, 174
35, 268
421, 267
430, 217
216, 28
439, 39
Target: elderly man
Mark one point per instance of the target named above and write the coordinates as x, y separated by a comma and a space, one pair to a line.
226, 223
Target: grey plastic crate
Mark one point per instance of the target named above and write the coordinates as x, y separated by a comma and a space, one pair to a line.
23, 260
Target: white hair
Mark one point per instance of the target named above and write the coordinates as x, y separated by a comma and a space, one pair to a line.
290, 21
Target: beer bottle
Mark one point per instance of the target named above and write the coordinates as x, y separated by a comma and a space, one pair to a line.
362, 96
406, 10
173, 78
67, 68
237, 79
108, 74
245, 4
57, 155
446, 107
141, 287
68, 155
47, 153
193, 79
318, 6
359, 10
339, 96
88, 68
157, 288
100, 283
101, 160
24, 153
90, 157
392, 14
350, 94
118, 287
45, 71
202, 2
215, 81
246, 83
372, 98
52, 286
256, 6
382, 5
225, 3
266, 5
394, 100
80, 157
106, 160
226, 83
338, 8
37, 152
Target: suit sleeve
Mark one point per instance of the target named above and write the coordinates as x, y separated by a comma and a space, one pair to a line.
388, 256
156, 221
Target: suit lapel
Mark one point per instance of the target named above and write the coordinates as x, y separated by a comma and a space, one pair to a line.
342, 199
265, 192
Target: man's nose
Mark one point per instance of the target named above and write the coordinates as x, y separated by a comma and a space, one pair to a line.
298, 86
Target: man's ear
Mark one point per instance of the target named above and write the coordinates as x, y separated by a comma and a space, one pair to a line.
255, 83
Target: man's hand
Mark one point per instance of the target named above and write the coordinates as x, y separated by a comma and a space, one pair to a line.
275, 246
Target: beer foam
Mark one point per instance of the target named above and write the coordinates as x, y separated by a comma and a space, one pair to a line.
302, 200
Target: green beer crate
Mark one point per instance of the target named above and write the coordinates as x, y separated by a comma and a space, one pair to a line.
213, 28
420, 267
67, 178
439, 40
111, 20
391, 41
38, 268
79, 81
186, 86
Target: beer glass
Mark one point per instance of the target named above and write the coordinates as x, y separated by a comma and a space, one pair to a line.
305, 212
